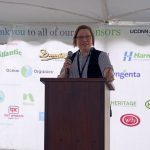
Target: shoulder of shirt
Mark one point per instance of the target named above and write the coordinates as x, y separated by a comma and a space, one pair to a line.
93, 48
101, 51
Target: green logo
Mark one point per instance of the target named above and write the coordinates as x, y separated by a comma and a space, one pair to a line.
28, 98
10, 53
123, 103
107, 32
26, 71
147, 104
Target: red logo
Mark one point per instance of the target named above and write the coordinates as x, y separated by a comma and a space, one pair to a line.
13, 110
130, 120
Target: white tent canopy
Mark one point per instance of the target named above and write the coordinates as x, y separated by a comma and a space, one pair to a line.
91, 11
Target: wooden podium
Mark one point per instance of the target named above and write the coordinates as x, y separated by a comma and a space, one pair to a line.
77, 114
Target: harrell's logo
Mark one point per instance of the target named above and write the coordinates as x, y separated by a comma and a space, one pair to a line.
127, 56
130, 120
45, 56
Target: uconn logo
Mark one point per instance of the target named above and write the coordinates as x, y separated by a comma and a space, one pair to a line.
130, 55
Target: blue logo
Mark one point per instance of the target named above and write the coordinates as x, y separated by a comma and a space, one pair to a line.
129, 55
125, 74
26, 71
2, 96
41, 116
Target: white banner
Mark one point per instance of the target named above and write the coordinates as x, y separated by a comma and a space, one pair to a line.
31, 52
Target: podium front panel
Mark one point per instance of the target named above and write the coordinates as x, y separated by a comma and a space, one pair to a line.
74, 115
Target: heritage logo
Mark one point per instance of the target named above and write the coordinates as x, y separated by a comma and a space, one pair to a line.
123, 103
130, 120
147, 104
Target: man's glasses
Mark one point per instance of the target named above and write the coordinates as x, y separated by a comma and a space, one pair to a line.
87, 37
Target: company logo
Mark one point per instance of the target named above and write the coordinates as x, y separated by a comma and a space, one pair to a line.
130, 120
107, 32
125, 74
12, 70
45, 56
28, 99
2, 96
147, 104
39, 71
26, 71
123, 103
139, 31
41, 116
13, 110
10, 53
13, 113
130, 55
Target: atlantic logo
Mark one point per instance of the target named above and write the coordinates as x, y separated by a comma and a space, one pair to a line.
130, 120
45, 56
124, 74
147, 104
130, 55
14, 52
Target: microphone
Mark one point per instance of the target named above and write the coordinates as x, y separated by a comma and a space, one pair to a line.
70, 53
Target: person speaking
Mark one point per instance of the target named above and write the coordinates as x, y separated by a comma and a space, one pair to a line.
87, 62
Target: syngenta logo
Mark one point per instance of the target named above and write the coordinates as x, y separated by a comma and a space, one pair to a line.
130, 120
147, 104
130, 55
125, 74
10, 53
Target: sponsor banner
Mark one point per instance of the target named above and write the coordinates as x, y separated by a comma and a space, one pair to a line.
31, 52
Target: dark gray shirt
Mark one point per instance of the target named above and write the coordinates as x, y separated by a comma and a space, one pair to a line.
103, 62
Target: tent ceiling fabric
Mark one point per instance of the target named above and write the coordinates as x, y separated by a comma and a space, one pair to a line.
78, 11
